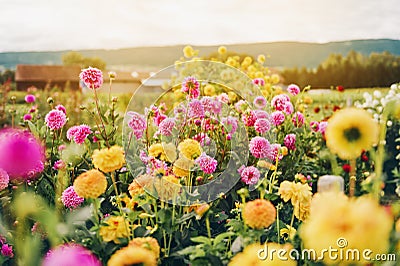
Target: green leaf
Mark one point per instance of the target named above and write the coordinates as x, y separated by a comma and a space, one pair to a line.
201, 239
222, 236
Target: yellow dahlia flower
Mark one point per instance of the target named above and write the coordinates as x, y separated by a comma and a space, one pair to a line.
264, 255
90, 184
167, 187
139, 184
222, 50
181, 167
190, 148
116, 227
350, 131
300, 196
149, 243
346, 224
109, 159
132, 255
209, 90
259, 213
163, 151
261, 59
188, 51
275, 78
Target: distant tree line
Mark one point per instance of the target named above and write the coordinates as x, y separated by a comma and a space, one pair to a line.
7, 75
75, 58
354, 70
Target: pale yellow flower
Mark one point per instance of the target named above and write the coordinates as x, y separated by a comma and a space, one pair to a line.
190, 149
209, 90
222, 50
261, 59
109, 159
115, 227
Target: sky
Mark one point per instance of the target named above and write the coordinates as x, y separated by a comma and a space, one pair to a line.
51, 25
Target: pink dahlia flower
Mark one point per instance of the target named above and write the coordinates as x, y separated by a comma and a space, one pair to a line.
259, 81
250, 175
191, 86
298, 119
274, 153
231, 123
166, 126
7, 251
21, 155
92, 77
288, 109
27, 117
293, 89
259, 147
4, 179
70, 254
206, 163
195, 109
277, 118
314, 125
262, 125
249, 118
322, 127
260, 102
61, 108
70, 199
78, 133
137, 123
55, 119
279, 102
290, 141
30, 98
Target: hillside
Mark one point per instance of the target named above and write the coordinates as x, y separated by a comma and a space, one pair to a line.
282, 54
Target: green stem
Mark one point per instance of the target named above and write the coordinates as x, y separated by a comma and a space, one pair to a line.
208, 227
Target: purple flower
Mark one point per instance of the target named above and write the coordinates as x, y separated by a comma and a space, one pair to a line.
196, 109
260, 102
27, 117
92, 77
298, 119
293, 89
250, 175
277, 118
30, 98
7, 251
262, 125
191, 86
78, 133
70, 254
70, 199
259, 147
279, 102
137, 123
55, 119
166, 126
4, 179
21, 155
290, 141
206, 163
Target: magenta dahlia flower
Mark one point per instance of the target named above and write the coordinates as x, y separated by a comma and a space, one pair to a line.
137, 123
290, 141
277, 118
195, 109
70, 254
166, 126
274, 153
4, 179
249, 118
298, 119
27, 117
21, 155
30, 98
262, 125
260, 102
250, 175
78, 133
259, 147
55, 119
92, 77
314, 125
191, 86
259, 81
293, 89
279, 102
206, 163
70, 199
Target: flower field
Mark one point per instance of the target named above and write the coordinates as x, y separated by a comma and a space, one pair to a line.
225, 167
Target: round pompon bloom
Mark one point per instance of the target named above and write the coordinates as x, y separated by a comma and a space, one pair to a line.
55, 119
279, 102
206, 163
277, 118
290, 141
114, 228
262, 125
4, 179
90, 184
30, 98
27, 117
191, 86
259, 213
92, 77
166, 126
250, 175
108, 159
78, 133
22, 156
260, 102
137, 123
259, 147
350, 131
70, 254
190, 149
196, 109
132, 255
293, 89
298, 119
149, 243
70, 199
